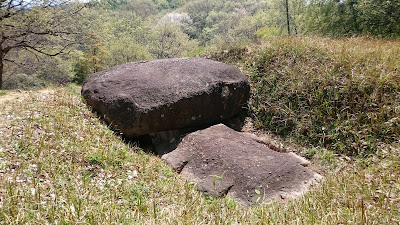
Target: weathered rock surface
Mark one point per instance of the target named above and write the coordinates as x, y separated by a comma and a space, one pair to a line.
147, 97
223, 161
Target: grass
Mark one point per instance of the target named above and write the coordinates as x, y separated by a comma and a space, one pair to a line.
343, 94
60, 165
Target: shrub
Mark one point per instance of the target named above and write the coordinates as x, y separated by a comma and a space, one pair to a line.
53, 75
81, 71
22, 81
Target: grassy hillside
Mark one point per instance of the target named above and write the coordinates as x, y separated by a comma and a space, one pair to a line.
60, 165
343, 95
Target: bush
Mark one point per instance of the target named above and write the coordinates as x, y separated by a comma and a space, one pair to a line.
81, 71
49, 73
22, 81
53, 75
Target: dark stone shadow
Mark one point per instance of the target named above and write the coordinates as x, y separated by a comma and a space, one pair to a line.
167, 141
237, 122
159, 143
164, 142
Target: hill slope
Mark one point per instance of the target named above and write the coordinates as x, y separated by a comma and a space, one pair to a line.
59, 164
343, 94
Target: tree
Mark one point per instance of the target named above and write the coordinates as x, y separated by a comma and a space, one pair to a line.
37, 27
287, 16
198, 11
379, 17
169, 41
280, 17
353, 17
142, 8
92, 61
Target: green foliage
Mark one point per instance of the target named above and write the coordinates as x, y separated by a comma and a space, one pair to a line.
342, 95
80, 72
92, 61
126, 30
310, 152
241, 30
142, 8
53, 74
44, 72
353, 17
94, 56
379, 17
173, 4
169, 41
223, 22
267, 32
113, 4
196, 52
126, 40
22, 81
31, 30
218, 176
161, 4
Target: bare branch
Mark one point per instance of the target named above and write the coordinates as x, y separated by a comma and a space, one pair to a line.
49, 54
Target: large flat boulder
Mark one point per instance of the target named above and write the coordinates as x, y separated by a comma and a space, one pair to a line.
146, 97
226, 162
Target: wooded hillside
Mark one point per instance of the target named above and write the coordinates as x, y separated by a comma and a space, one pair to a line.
56, 41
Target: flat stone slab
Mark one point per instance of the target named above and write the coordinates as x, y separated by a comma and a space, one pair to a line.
147, 97
222, 161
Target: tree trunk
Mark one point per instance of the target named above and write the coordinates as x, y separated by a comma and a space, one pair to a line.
287, 16
1, 68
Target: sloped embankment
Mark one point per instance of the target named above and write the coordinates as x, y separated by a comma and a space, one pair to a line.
340, 94
60, 164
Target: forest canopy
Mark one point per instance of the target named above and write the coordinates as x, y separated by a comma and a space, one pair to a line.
56, 41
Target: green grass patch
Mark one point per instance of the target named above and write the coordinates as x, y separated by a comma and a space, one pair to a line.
343, 95
2, 92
